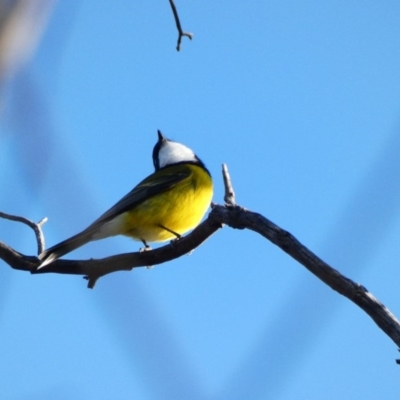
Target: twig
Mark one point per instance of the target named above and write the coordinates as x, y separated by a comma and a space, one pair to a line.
37, 228
229, 196
178, 26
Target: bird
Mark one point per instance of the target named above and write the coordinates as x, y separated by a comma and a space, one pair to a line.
162, 207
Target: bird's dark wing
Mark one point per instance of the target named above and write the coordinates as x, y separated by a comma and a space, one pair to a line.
161, 181
158, 182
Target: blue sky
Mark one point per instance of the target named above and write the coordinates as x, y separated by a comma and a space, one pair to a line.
301, 100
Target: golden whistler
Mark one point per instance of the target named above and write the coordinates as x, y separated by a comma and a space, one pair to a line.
164, 206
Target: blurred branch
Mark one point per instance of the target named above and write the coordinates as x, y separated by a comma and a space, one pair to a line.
178, 26
21, 25
236, 217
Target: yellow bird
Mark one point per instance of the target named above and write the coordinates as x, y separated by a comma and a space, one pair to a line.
162, 207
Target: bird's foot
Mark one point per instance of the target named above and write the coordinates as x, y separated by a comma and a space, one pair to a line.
173, 242
143, 249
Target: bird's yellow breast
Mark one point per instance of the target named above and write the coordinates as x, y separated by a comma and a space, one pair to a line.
178, 209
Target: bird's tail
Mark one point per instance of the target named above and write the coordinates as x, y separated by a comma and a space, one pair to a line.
57, 251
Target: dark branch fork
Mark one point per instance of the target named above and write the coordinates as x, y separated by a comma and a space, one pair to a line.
229, 214
181, 33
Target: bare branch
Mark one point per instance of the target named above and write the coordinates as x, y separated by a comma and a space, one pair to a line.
240, 218
95, 268
21, 25
178, 26
37, 228
236, 217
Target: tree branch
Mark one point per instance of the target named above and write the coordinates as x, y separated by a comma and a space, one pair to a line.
240, 218
178, 26
236, 217
37, 227
93, 269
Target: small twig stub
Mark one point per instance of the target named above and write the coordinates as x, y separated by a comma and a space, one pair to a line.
229, 196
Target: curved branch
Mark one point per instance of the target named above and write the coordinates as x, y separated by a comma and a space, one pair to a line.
37, 227
94, 269
240, 218
178, 26
236, 217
